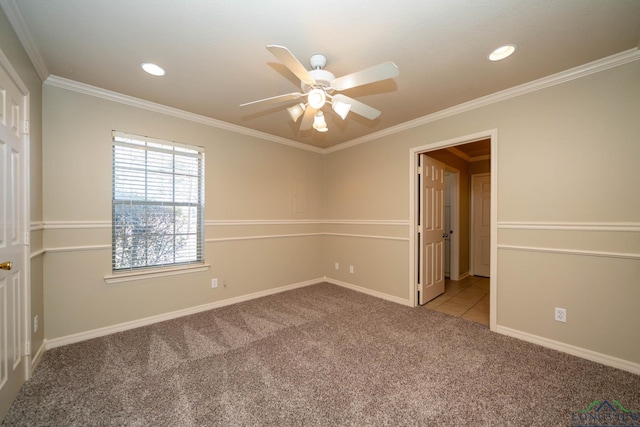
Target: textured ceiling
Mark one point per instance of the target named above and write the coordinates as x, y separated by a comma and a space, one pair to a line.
216, 58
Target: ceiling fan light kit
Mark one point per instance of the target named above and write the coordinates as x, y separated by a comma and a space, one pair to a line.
296, 111
341, 108
318, 85
316, 98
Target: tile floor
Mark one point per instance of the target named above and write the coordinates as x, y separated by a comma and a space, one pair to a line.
467, 298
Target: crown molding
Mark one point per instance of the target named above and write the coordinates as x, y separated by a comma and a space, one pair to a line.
16, 20
131, 101
545, 82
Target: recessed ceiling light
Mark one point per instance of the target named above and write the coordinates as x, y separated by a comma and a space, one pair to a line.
502, 52
152, 69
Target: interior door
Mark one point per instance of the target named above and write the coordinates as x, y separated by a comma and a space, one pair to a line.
431, 229
447, 224
13, 295
481, 224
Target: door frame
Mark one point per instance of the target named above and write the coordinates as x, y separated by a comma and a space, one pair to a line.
492, 135
25, 221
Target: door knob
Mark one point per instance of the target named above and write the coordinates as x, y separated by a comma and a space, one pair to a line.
6, 265
445, 235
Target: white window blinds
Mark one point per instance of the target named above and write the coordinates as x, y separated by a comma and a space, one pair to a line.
158, 203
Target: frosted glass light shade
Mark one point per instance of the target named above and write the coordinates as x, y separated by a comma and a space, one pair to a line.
296, 111
316, 98
319, 123
341, 109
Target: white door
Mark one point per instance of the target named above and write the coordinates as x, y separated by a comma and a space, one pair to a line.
13, 292
447, 224
481, 224
431, 229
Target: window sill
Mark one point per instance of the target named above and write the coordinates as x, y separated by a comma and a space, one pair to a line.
150, 274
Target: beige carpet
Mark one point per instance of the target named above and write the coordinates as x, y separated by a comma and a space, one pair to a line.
315, 356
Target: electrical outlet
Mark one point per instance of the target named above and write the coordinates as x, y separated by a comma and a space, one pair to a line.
337, 266
351, 269
561, 314
214, 283
35, 324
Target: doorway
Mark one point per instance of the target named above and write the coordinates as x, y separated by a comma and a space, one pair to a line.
464, 156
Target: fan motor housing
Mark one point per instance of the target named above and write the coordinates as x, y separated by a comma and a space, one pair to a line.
323, 79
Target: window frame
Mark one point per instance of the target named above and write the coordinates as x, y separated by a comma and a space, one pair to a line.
177, 151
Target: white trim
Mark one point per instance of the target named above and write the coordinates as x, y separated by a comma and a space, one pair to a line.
37, 226
131, 101
234, 222
493, 280
75, 225
37, 253
78, 248
38, 356
571, 252
368, 236
371, 292
270, 236
16, 20
397, 222
464, 276
570, 226
584, 353
543, 83
108, 330
152, 274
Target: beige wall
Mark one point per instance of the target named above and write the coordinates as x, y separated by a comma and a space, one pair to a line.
565, 154
255, 239
12, 49
567, 157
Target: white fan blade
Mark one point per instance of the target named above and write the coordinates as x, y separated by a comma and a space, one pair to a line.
274, 99
307, 119
291, 62
358, 107
383, 71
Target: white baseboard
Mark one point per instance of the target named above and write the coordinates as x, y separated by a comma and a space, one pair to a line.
108, 330
464, 275
38, 356
373, 293
604, 359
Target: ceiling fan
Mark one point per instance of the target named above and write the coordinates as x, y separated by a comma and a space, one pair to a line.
318, 86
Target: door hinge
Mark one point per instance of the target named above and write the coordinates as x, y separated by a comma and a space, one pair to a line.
25, 127
27, 348
27, 236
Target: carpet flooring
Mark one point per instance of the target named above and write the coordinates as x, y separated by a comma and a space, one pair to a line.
316, 356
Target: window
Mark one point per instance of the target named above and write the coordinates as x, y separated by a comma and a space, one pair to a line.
158, 203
